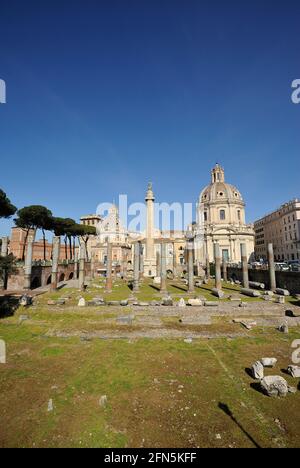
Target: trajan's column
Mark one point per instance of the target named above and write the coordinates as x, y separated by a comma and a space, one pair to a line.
150, 258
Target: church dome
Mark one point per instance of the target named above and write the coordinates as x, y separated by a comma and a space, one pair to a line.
219, 190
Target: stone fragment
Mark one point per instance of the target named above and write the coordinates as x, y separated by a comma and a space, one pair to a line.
124, 303
211, 304
144, 304
269, 362
181, 303
280, 300
274, 386
103, 401
51, 303
50, 406
188, 340
125, 320
257, 370
283, 328
167, 301
25, 300
294, 371
23, 318
292, 389
2, 352
269, 293
81, 302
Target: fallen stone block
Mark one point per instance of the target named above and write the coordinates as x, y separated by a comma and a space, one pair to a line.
143, 304
124, 303
269, 293
113, 303
282, 292
280, 300
211, 304
234, 298
81, 302
218, 293
250, 292
257, 370
269, 362
195, 302
294, 371
274, 386
256, 285
292, 389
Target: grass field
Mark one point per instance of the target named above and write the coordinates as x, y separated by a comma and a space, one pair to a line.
160, 392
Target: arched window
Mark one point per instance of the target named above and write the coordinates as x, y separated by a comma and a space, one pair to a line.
222, 215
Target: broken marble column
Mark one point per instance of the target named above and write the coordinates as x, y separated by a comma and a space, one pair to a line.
124, 263
158, 264
141, 260
108, 285
207, 268
82, 256
55, 259
28, 262
190, 260
174, 262
250, 292
245, 266
76, 264
217, 255
136, 268
272, 273
224, 268
92, 264
4, 247
163, 268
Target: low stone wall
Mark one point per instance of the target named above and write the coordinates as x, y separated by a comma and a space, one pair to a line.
41, 275
284, 279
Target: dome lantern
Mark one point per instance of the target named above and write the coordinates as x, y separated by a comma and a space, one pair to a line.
217, 174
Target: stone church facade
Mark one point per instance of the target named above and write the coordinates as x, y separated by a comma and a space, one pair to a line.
221, 219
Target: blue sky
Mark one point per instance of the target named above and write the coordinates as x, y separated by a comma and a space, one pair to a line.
103, 96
